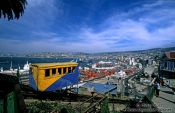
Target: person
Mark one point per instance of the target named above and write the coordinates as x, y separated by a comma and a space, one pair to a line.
157, 89
162, 82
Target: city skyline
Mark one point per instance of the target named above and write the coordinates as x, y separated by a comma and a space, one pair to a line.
90, 26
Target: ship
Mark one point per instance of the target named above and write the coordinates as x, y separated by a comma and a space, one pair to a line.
11, 71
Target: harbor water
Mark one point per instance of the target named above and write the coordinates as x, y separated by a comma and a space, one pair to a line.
5, 62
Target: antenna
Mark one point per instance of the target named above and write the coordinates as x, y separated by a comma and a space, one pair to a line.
18, 67
11, 65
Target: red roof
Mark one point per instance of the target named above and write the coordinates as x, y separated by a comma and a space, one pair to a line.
170, 55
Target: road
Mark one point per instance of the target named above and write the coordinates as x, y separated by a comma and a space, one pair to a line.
126, 91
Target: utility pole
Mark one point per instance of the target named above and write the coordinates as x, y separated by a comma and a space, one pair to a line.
122, 87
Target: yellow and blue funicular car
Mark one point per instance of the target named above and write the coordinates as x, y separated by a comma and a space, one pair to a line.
53, 76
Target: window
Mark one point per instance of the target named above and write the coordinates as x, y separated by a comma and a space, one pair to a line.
59, 71
64, 70
47, 72
69, 70
165, 64
73, 69
53, 72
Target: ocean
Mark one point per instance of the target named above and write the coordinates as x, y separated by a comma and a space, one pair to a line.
5, 62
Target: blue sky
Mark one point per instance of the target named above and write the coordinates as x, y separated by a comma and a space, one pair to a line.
90, 26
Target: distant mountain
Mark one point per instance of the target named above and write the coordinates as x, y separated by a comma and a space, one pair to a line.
74, 54
168, 49
153, 50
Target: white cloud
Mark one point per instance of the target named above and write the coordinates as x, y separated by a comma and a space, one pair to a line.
146, 26
35, 2
41, 14
134, 32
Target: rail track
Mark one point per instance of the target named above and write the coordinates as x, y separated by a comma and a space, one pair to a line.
91, 102
65, 95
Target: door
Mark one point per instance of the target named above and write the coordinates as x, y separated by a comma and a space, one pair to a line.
1, 106
11, 103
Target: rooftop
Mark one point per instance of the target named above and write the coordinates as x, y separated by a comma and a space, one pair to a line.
170, 55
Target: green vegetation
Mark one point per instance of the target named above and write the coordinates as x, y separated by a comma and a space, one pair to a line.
11, 9
151, 91
48, 107
104, 106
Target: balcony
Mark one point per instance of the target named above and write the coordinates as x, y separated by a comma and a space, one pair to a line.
169, 70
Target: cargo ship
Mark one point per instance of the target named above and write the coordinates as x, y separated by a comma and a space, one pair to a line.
11, 71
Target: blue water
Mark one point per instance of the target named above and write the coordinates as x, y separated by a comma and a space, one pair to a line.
5, 62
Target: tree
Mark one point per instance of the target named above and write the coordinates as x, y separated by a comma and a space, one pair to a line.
12, 9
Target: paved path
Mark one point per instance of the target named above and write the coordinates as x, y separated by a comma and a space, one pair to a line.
166, 100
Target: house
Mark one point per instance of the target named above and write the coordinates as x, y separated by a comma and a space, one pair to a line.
167, 68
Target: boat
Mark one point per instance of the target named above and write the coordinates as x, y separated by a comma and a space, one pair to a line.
12, 71
103, 66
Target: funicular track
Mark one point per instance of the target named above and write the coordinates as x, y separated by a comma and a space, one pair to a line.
64, 95
84, 103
